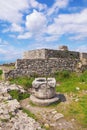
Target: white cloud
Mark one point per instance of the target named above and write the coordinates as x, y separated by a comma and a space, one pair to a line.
36, 21
82, 48
26, 35
77, 18
35, 4
16, 28
9, 52
57, 5
75, 24
10, 10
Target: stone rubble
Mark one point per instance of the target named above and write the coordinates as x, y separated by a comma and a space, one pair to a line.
11, 115
6, 86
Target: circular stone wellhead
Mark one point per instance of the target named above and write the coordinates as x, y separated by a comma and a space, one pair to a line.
43, 88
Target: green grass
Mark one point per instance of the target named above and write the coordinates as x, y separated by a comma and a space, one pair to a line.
26, 82
83, 106
29, 113
17, 95
78, 111
71, 81
1, 72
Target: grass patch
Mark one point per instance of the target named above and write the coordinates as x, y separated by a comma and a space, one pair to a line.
29, 113
62, 75
26, 82
4, 120
71, 81
83, 77
17, 95
83, 106
78, 111
1, 72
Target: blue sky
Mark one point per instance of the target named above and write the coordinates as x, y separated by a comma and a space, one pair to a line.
33, 24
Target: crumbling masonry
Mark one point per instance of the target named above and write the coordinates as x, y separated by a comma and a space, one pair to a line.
43, 62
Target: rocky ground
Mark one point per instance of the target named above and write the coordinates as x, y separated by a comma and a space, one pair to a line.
11, 115
13, 118
50, 117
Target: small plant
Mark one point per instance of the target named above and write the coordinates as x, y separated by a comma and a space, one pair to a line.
17, 95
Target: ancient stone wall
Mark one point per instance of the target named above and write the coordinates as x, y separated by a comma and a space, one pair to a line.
45, 62
41, 67
34, 54
83, 58
49, 53
61, 54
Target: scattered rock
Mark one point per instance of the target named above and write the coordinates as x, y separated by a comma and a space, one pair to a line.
76, 100
11, 117
5, 87
54, 112
46, 126
58, 116
77, 88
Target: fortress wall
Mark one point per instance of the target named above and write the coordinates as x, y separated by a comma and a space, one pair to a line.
34, 54
43, 62
41, 67
61, 54
49, 53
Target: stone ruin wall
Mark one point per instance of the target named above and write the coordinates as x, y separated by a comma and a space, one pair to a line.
49, 53
49, 62
34, 54
41, 67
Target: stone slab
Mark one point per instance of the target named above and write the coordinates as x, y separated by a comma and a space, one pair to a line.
44, 102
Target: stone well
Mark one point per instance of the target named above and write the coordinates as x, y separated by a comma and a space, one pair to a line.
43, 91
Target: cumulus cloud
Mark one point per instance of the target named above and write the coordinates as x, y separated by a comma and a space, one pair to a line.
10, 10
70, 24
26, 35
36, 21
16, 28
